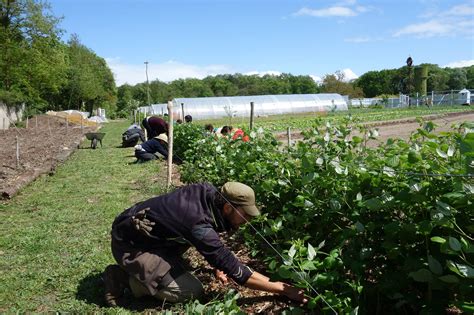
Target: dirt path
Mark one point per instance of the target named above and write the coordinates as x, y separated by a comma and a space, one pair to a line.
405, 127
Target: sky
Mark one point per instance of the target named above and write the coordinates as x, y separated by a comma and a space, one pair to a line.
198, 38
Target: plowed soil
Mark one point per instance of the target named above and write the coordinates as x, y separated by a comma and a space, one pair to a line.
35, 149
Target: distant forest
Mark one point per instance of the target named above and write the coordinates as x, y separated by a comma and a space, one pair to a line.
39, 70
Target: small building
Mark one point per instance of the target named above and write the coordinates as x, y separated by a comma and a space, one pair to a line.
465, 97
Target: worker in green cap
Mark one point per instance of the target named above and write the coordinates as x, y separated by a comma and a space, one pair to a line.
149, 238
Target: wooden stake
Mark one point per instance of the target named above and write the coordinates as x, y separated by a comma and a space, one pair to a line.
27, 122
17, 153
170, 144
82, 125
288, 133
251, 115
36, 122
67, 125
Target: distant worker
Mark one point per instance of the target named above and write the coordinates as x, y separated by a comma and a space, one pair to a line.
154, 126
209, 128
226, 130
188, 118
147, 151
131, 136
179, 121
239, 134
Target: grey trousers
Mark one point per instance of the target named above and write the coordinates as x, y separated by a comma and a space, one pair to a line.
184, 288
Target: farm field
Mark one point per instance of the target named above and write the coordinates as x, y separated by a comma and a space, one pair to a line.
304, 120
347, 197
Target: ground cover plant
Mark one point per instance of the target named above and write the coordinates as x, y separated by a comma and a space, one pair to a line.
305, 120
371, 229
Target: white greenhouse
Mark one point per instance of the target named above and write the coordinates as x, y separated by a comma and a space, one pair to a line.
239, 106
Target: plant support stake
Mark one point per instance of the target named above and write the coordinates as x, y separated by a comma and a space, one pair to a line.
170, 144
251, 115
288, 133
17, 153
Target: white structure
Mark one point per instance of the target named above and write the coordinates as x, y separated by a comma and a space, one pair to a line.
465, 97
239, 106
10, 115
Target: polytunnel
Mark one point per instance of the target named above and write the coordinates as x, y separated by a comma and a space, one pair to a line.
239, 106
154, 109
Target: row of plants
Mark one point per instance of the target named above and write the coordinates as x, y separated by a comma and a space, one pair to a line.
303, 121
361, 229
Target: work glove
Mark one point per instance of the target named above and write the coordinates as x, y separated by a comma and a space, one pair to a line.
141, 223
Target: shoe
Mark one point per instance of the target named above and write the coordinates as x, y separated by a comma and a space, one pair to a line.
115, 281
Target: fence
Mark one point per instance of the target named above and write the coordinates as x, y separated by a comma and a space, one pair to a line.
434, 98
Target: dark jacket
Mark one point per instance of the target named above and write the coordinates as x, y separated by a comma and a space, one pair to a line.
186, 214
155, 145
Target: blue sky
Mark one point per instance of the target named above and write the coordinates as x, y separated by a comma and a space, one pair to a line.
197, 38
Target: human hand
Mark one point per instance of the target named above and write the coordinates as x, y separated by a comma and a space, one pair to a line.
221, 276
294, 293
141, 223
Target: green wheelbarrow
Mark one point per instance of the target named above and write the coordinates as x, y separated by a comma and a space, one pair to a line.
95, 137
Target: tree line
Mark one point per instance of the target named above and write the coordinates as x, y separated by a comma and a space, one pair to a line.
41, 71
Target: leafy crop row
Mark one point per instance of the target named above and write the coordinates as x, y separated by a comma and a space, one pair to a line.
364, 229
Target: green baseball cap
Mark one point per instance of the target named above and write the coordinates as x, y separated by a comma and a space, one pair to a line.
242, 196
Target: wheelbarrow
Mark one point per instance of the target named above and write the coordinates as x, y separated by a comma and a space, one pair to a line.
95, 137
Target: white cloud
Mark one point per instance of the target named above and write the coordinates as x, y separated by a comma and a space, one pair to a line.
461, 10
327, 12
453, 22
316, 78
262, 73
168, 71
349, 75
459, 64
345, 8
427, 29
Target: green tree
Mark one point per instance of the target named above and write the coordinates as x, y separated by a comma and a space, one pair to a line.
33, 59
334, 83
90, 81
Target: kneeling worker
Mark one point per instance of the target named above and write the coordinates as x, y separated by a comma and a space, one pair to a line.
147, 150
149, 238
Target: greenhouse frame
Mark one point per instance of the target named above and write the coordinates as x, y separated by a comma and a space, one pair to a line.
239, 106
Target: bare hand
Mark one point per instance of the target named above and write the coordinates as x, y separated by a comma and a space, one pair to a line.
294, 293
221, 276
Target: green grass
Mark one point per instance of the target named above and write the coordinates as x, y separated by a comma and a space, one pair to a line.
54, 240
305, 120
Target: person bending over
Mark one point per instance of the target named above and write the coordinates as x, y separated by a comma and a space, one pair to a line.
149, 238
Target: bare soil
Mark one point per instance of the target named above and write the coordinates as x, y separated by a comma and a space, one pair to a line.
403, 128
35, 149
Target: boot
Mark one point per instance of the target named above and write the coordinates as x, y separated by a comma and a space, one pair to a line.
115, 281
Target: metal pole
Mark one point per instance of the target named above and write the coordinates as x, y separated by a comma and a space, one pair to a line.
170, 144
432, 98
182, 111
251, 115
27, 122
452, 98
36, 122
147, 84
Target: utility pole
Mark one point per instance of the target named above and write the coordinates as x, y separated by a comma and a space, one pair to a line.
147, 84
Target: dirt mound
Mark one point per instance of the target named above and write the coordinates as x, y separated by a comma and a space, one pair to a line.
37, 148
